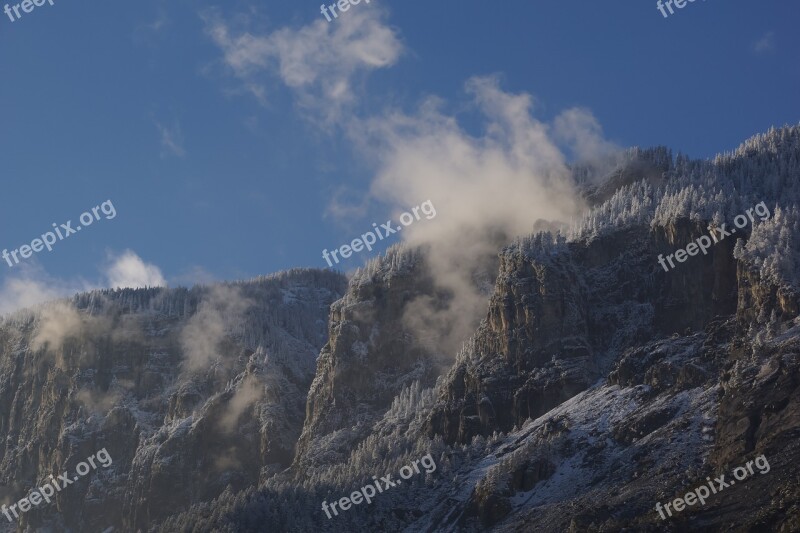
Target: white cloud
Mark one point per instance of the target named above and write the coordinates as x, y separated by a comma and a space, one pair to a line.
765, 43
56, 324
128, 270
248, 392
583, 135
160, 21
171, 139
321, 61
147, 33
221, 309
510, 176
195, 275
31, 286
346, 204
24, 292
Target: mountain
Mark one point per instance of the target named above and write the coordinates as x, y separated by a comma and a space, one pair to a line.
598, 384
189, 391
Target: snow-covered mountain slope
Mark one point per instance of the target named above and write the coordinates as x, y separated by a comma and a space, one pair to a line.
190, 391
597, 385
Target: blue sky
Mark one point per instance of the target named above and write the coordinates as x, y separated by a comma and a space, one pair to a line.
228, 136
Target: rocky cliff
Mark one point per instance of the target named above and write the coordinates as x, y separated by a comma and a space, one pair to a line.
561, 313
370, 357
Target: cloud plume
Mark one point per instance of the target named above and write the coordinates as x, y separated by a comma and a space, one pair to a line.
487, 189
248, 393
56, 323
220, 311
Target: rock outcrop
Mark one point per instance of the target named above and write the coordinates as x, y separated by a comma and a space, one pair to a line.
370, 357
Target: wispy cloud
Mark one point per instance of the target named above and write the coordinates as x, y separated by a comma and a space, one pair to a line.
765, 43
147, 32
194, 275
321, 61
171, 139
248, 392
220, 311
160, 22
56, 324
346, 204
580, 133
31, 285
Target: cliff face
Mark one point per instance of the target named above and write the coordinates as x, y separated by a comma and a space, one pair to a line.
615, 434
189, 391
670, 414
665, 420
371, 355
537, 351
560, 313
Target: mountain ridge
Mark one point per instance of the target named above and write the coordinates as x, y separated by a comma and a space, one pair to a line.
594, 386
